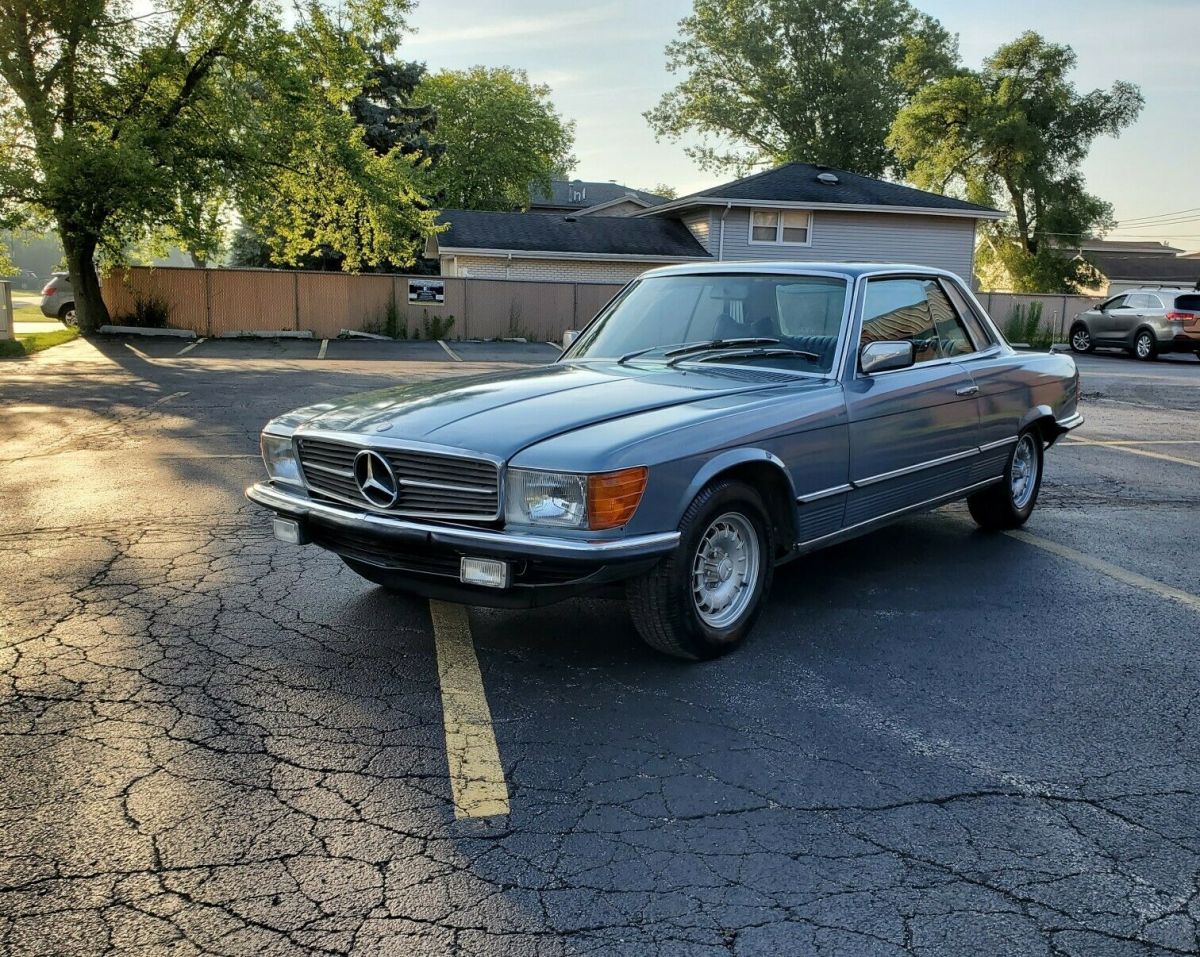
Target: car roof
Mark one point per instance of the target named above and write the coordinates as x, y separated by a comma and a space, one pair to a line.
850, 270
1158, 291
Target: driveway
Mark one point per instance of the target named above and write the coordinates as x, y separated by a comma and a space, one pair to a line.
937, 742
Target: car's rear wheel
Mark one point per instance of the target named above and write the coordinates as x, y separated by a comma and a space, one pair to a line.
1009, 503
1081, 338
1145, 346
702, 600
67, 314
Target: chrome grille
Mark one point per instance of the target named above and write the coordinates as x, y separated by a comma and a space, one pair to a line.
431, 483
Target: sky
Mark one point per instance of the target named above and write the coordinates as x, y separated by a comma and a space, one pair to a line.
605, 64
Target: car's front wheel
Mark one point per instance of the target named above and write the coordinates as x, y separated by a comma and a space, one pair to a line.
702, 600
1081, 338
1009, 503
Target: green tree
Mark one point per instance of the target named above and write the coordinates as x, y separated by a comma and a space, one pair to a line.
769, 81
107, 115
123, 121
503, 138
1014, 135
345, 188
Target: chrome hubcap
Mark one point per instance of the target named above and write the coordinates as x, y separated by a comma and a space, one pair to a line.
1143, 346
725, 570
1023, 474
1081, 340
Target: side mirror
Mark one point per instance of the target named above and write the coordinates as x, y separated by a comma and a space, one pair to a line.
882, 356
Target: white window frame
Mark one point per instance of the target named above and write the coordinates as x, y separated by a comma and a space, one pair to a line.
780, 214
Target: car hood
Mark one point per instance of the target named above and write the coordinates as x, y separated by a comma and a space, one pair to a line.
502, 413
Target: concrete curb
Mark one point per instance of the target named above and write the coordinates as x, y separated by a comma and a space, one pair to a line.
357, 334
146, 331
266, 334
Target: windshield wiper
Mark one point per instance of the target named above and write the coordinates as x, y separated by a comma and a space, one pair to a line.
684, 348
756, 354
641, 352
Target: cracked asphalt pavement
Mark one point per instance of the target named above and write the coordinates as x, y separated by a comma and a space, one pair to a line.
937, 742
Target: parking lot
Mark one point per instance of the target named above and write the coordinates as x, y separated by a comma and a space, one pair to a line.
937, 741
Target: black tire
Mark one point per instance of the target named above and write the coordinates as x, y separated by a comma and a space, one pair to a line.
1081, 338
67, 314
1145, 346
999, 507
662, 603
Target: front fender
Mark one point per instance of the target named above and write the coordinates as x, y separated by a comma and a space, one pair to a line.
723, 462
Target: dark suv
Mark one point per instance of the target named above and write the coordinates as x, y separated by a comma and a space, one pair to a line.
1144, 321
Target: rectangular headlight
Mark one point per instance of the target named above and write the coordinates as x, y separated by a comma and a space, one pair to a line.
546, 498
567, 500
279, 458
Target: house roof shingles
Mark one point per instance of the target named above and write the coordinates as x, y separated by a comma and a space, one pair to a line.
546, 232
798, 183
561, 191
1143, 268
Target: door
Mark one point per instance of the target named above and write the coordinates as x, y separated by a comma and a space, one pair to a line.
1115, 316
913, 431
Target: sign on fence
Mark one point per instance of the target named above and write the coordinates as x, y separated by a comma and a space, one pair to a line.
431, 292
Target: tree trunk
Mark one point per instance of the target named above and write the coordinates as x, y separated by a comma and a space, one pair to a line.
198, 261
90, 311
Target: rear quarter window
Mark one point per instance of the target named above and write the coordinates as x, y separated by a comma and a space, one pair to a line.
1188, 303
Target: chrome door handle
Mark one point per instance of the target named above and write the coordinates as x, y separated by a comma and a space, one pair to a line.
967, 390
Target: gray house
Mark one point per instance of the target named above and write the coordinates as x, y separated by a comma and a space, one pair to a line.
797, 211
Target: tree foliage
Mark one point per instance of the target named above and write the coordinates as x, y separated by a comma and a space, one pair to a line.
503, 138
1014, 134
109, 116
769, 81
122, 120
344, 189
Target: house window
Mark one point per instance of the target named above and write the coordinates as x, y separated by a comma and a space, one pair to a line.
790, 226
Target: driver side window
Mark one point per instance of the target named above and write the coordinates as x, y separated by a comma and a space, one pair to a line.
1114, 303
897, 309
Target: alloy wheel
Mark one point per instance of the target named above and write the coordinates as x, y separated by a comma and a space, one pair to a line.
725, 570
1081, 340
1144, 345
1023, 473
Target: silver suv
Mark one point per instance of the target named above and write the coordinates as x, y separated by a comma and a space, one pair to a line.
1145, 321
58, 298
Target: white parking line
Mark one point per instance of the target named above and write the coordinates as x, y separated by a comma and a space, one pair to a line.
324, 346
450, 352
168, 398
1106, 568
189, 347
1132, 451
472, 755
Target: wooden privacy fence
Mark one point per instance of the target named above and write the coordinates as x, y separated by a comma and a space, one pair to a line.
1058, 309
212, 302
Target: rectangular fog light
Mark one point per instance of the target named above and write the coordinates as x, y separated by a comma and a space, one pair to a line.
290, 531
484, 571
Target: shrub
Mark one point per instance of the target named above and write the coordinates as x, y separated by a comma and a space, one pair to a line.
435, 327
149, 312
1024, 324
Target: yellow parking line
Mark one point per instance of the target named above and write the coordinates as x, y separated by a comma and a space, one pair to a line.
1132, 451
1112, 571
476, 774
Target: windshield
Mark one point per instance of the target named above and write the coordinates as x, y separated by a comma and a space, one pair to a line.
790, 322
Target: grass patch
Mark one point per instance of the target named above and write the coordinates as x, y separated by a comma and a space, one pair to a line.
28, 343
30, 313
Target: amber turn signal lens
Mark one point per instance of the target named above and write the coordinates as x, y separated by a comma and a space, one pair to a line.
613, 497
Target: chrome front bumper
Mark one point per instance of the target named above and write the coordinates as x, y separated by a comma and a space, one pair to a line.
503, 544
